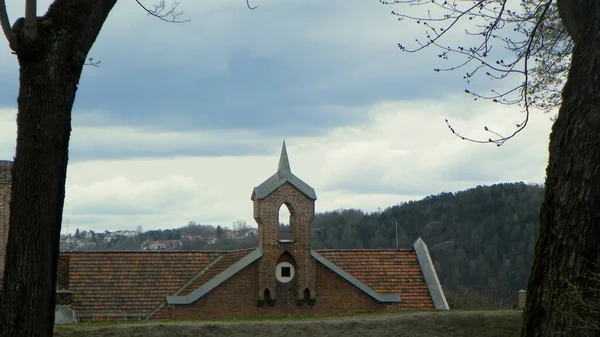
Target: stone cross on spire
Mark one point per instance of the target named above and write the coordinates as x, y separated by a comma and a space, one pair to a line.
284, 162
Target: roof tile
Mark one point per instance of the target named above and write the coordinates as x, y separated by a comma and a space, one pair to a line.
129, 283
387, 271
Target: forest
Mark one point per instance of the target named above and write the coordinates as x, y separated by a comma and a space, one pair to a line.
481, 240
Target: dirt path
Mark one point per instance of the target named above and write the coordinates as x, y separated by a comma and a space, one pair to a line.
422, 324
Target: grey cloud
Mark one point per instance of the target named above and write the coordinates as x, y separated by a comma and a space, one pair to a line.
229, 69
110, 151
114, 209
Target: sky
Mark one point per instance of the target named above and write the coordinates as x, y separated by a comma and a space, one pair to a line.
181, 121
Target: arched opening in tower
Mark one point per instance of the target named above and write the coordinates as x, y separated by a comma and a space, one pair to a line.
285, 223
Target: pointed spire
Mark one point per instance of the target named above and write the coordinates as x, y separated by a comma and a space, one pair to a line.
284, 162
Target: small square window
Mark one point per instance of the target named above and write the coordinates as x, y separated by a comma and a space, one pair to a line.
286, 272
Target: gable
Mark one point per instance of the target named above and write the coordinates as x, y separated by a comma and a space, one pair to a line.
221, 272
384, 298
277, 180
386, 271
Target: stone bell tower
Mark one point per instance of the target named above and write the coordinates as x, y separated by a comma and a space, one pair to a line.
287, 273
5, 185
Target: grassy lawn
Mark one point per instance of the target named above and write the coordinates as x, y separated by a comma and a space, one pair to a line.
425, 324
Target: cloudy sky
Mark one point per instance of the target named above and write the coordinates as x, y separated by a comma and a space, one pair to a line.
181, 121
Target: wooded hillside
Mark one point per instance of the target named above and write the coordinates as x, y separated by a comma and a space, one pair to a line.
481, 239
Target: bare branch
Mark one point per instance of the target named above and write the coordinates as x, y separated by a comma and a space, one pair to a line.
500, 139
532, 33
250, 8
5, 23
164, 13
92, 62
30, 29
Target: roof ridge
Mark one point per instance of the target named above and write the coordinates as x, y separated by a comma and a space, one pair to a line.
155, 251
240, 250
366, 250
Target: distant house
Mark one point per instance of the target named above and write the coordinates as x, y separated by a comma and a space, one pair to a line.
170, 244
283, 275
161, 245
109, 237
126, 233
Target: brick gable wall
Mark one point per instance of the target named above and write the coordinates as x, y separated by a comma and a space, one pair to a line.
5, 181
387, 271
235, 298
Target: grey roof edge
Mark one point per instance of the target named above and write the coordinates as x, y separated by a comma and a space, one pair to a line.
276, 180
430, 275
383, 298
217, 280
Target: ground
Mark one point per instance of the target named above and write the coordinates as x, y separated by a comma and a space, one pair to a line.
422, 324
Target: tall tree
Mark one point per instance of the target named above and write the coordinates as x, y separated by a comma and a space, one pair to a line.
51, 51
552, 34
567, 253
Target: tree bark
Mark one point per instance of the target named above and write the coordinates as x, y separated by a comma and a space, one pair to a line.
567, 254
50, 68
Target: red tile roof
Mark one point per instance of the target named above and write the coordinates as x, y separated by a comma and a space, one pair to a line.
136, 284
387, 271
121, 284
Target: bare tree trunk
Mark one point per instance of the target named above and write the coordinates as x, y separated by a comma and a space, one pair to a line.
50, 68
567, 254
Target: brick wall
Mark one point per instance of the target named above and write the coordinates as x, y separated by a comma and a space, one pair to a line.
235, 299
266, 214
5, 180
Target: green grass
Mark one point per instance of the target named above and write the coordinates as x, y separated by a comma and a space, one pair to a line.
101, 323
360, 324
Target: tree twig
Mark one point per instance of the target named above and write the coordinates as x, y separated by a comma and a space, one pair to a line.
92, 62
161, 12
250, 8
491, 17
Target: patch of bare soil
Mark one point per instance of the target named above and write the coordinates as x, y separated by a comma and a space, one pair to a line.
422, 324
